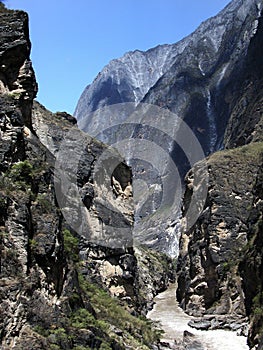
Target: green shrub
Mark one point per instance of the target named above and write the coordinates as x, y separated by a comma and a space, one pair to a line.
54, 347
71, 246
44, 202
22, 171
60, 334
258, 311
82, 318
41, 330
32, 243
109, 310
105, 346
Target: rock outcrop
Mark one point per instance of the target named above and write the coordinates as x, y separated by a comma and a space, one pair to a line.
219, 263
250, 267
17, 78
70, 276
209, 282
206, 79
67, 280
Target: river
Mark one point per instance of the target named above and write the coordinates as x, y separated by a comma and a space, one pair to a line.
174, 322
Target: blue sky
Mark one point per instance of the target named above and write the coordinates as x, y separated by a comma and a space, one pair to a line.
73, 40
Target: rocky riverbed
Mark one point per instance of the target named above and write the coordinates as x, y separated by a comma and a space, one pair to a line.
179, 335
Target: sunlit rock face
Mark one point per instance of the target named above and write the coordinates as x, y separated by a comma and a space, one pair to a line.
126, 79
198, 80
50, 254
17, 78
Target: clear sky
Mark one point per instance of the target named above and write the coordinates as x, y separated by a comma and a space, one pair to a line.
73, 40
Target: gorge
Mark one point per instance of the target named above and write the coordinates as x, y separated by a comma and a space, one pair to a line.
162, 159
198, 81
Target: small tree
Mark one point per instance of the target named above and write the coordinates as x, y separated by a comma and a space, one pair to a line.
22, 171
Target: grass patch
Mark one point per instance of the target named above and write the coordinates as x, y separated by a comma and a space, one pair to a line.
251, 151
137, 331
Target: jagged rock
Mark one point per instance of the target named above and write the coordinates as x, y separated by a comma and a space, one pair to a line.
229, 280
57, 269
16, 73
250, 266
244, 126
211, 251
54, 280
154, 273
117, 268
81, 157
191, 343
203, 325
245, 122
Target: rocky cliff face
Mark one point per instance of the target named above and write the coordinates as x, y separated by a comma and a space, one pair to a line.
70, 276
113, 261
16, 74
203, 79
250, 267
67, 280
220, 257
210, 252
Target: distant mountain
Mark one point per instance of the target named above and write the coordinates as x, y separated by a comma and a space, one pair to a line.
202, 80
126, 79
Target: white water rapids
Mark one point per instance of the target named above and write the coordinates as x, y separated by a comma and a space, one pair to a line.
174, 322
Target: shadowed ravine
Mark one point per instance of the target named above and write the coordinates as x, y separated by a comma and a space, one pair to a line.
174, 322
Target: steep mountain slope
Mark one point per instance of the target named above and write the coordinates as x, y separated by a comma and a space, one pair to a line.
201, 80
126, 79
251, 266
188, 78
63, 287
67, 282
198, 85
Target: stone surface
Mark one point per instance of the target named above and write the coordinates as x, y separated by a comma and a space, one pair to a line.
61, 286
242, 296
16, 73
250, 266
211, 270
67, 282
